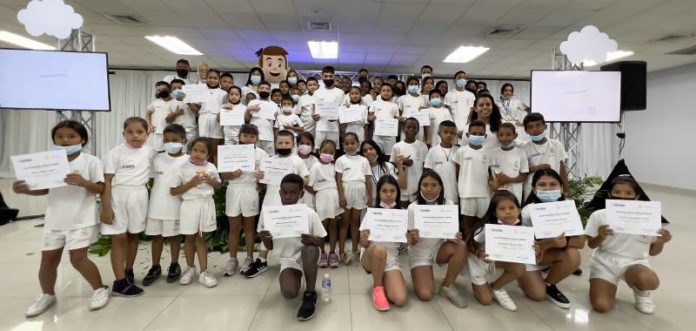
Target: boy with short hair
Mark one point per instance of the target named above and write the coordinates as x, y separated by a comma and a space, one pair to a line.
440, 159
265, 125
543, 152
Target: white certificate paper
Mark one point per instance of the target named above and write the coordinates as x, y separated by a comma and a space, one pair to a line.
290, 221
230, 117
327, 110
386, 225
509, 243
634, 217
42, 170
267, 110
553, 218
195, 93
386, 127
274, 170
350, 114
423, 117
439, 222
236, 157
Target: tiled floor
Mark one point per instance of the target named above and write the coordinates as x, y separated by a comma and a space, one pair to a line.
256, 304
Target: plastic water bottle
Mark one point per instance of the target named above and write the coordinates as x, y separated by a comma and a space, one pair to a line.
326, 288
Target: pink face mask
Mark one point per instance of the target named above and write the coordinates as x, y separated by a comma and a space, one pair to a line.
387, 205
326, 158
304, 149
516, 222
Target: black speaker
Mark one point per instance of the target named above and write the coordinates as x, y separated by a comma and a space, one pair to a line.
633, 82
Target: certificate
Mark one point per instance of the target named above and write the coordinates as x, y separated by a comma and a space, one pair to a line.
230, 117
195, 93
236, 157
274, 170
509, 243
440, 222
553, 218
327, 110
423, 117
386, 225
42, 170
386, 127
267, 110
351, 114
634, 217
289, 221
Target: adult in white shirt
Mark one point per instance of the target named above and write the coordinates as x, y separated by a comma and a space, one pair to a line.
461, 101
328, 96
513, 111
256, 76
182, 72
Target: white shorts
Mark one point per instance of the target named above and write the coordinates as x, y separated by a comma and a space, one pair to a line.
156, 141
356, 195
392, 262
242, 199
267, 146
474, 206
130, 210
191, 134
294, 262
197, 216
418, 257
325, 135
612, 267
326, 202
164, 228
405, 196
480, 272
385, 143
70, 239
208, 126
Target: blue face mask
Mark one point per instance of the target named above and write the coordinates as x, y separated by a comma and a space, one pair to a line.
295, 97
461, 83
292, 81
436, 102
538, 138
255, 79
173, 148
549, 196
476, 140
413, 89
70, 150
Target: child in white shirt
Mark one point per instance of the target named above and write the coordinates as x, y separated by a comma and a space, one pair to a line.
287, 119
461, 101
380, 109
305, 150
355, 102
412, 153
543, 152
157, 114
265, 125
438, 113
508, 162
440, 158
412, 103
183, 114
208, 125
305, 107
234, 104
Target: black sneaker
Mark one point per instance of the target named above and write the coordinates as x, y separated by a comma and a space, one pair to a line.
125, 288
309, 305
173, 273
130, 276
256, 268
557, 297
152, 275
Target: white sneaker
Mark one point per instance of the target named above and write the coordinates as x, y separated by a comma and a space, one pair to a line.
100, 298
453, 295
41, 304
231, 267
644, 303
207, 279
188, 275
246, 264
504, 299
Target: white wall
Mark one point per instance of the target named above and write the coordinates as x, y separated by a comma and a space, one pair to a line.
659, 140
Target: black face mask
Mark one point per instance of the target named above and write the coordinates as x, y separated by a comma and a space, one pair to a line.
283, 151
264, 95
328, 82
182, 73
398, 91
162, 94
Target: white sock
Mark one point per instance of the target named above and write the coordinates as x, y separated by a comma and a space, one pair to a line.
263, 259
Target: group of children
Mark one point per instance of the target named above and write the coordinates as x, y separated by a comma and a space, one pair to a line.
460, 151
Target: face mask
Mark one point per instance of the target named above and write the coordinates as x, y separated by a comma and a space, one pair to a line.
283, 151
264, 95
178, 94
328, 82
413, 89
182, 73
398, 91
295, 98
198, 163
292, 81
436, 102
549, 196
255, 79
505, 97
516, 222
132, 146
426, 199
425, 75
326, 158
387, 205
476, 140
69, 150
304, 149
287, 110
512, 144
538, 138
173, 148
461, 83
162, 94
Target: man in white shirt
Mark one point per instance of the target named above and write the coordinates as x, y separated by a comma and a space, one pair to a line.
327, 97
182, 72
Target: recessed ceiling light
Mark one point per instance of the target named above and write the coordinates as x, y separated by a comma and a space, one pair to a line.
611, 56
465, 54
20, 41
323, 49
174, 45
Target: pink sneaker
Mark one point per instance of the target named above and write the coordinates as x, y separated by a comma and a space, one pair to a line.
379, 299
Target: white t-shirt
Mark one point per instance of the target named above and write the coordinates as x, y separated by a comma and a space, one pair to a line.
473, 172
265, 126
249, 177
291, 248
440, 160
550, 152
309, 161
512, 163
628, 245
73, 207
188, 118
512, 110
292, 120
461, 103
130, 166
367, 100
408, 105
416, 151
160, 110
185, 172
163, 205
304, 109
377, 173
437, 116
192, 79
298, 168
214, 101
384, 109
232, 131
334, 95
491, 138
322, 176
353, 168
358, 127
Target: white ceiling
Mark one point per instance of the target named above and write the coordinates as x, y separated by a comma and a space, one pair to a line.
380, 35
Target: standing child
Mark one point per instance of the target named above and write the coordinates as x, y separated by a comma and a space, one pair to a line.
196, 182
207, 110
183, 114
234, 104
423, 251
305, 107
298, 256
509, 162
381, 259
380, 165
461, 101
322, 184
157, 113
383, 108
70, 221
124, 201
542, 152
265, 125
486, 111
305, 150
357, 127
328, 97
353, 178
287, 119
411, 153
622, 256
242, 204
438, 114
411, 103
440, 159
163, 211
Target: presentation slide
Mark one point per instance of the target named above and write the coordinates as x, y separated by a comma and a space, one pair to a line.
54, 80
577, 96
